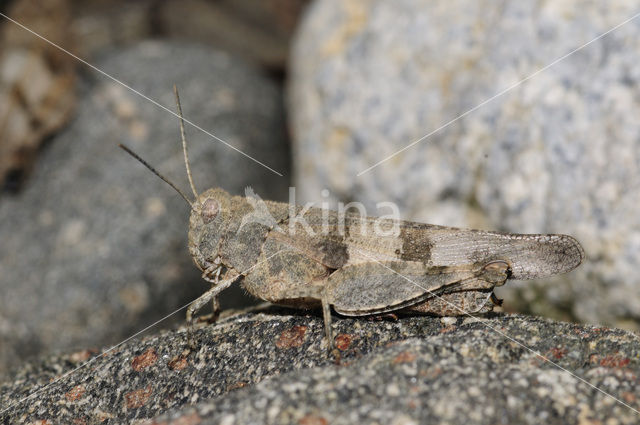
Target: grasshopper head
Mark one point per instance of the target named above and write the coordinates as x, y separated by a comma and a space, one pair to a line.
209, 219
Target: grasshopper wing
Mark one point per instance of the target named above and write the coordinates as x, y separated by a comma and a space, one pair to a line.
528, 256
353, 239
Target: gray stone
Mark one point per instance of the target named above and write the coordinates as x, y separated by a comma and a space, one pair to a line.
258, 30
557, 154
96, 247
270, 366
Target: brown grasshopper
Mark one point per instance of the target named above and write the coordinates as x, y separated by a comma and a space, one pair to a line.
344, 262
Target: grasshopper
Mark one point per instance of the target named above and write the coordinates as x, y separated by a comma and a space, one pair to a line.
344, 264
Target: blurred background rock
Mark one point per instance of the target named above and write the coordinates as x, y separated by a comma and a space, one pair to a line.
93, 247
37, 77
559, 153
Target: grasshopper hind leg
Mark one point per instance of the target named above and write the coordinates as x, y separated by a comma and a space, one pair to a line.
460, 303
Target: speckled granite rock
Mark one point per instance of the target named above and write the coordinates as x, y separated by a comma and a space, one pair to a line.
556, 154
270, 367
96, 246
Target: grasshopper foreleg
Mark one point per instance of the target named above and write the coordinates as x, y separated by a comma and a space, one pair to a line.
212, 275
211, 294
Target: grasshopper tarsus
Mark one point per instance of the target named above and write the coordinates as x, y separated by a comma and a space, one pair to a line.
213, 317
336, 356
190, 328
384, 316
495, 300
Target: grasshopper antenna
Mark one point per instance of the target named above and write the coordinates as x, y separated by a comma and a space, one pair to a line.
184, 143
153, 170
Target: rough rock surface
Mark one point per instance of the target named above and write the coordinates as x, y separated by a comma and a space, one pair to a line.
96, 246
270, 366
557, 154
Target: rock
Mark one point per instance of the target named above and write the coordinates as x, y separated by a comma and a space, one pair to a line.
258, 30
557, 154
37, 84
98, 25
270, 366
96, 247
37, 80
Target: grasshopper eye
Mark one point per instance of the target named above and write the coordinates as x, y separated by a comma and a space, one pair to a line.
209, 211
